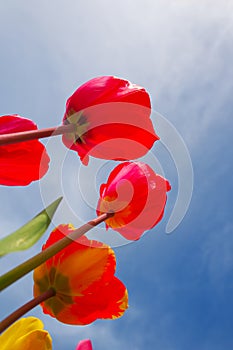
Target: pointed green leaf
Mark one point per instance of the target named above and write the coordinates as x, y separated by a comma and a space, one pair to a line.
30, 233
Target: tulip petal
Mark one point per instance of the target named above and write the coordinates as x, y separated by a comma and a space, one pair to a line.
23, 162
106, 302
106, 89
79, 257
26, 334
84, 345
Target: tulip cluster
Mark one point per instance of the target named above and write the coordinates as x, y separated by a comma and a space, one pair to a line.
74, 277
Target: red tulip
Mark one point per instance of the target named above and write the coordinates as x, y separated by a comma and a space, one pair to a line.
84, 345
24, 162
137, 195
112, 117
82, 274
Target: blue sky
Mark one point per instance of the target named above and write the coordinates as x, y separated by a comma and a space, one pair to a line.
180, 285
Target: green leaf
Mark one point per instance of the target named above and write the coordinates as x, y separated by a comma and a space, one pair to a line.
30, 233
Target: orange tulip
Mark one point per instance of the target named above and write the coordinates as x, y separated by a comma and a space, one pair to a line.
82, 276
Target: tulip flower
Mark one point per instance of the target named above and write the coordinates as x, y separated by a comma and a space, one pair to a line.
84, 345
26, 334
137, 195
24, 162
112, 119
82, 278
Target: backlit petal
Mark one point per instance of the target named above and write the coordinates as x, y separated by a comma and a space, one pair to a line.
82, 274
112, 117
79, 257
23, 162
84, 345
26, 334
138, 197
108, 301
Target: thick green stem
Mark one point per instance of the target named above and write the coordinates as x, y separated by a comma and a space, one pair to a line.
7, 139
13, 275
14, 316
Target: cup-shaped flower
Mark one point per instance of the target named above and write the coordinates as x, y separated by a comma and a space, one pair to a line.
82, 275
137, 195
26, 334
112, 118
23, 162
84, 345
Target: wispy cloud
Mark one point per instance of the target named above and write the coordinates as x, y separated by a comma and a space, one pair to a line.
181, 51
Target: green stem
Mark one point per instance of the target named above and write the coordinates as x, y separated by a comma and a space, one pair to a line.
13, 275
7, 139
14, 316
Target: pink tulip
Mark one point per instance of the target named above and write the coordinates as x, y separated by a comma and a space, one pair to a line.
84, 345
